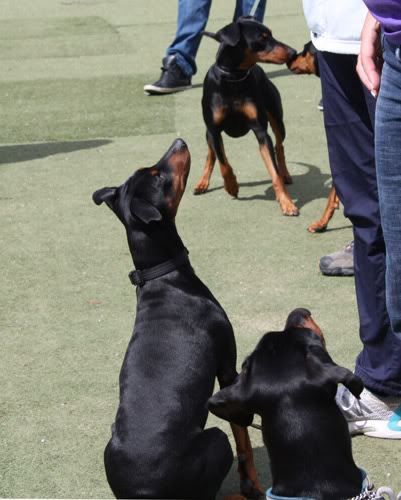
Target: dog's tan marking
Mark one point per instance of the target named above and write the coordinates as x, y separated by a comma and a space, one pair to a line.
249, 110
180, 162
303, 65
309, 323
279, 55
219, 115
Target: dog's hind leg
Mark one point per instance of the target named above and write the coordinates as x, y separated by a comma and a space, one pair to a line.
212, 461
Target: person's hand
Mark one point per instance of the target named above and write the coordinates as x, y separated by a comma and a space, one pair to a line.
370, 60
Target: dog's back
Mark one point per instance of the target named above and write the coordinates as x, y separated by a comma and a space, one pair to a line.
291, 381
172, 361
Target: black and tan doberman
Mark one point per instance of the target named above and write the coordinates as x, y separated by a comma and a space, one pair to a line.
182, 341
291, 381
238, 97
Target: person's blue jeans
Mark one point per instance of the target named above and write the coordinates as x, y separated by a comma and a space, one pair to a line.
388, 161
192, 19
349, 116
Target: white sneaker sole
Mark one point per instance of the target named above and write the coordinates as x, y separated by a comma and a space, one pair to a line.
374, 428
152, 89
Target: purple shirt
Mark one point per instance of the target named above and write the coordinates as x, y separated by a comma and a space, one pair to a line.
388, 13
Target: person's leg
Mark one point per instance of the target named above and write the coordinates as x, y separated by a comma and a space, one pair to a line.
179, 63
388, 158
244, 8
191, 21
350, 139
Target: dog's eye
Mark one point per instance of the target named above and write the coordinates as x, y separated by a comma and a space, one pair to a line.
157, 174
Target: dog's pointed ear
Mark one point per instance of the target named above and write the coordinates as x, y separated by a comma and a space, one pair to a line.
144, 210
328, 374
107, 195
230, 34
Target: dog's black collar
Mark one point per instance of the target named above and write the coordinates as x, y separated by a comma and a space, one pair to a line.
139, 278
234, 76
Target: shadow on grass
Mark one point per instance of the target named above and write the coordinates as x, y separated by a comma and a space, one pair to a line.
231, 482
277, 73
25, 152
305, 188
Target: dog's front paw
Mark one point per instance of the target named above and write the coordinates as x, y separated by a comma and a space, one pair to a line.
317, 227
201, 187
249, 490
288, 208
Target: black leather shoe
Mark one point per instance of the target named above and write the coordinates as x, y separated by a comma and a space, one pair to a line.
171, 80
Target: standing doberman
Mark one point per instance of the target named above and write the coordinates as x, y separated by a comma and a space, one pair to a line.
182, 341
238, 97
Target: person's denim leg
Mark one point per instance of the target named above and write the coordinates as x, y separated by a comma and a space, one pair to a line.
350, 138
191, 21
244, 8
388, 158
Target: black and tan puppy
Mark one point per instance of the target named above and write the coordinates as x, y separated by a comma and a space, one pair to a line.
182, 341
291, 381
307, 63
238, 97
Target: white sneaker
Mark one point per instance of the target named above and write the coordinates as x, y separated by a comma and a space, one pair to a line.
384, 490
370, 415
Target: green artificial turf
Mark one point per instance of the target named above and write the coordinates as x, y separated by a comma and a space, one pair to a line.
80, 109
74, 119
58, 37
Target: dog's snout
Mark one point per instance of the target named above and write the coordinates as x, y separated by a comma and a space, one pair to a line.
179, 145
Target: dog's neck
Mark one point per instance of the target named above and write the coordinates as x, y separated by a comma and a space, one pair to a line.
228, 61
311, 460
233, 75
152, 246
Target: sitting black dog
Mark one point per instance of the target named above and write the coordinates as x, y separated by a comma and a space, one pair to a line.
291, 381
182, 341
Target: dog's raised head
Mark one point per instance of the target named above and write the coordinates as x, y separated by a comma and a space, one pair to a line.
246, 42
151, 194
305, 62
285, 364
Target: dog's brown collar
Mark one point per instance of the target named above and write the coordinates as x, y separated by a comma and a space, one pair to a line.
139, 278
234, 76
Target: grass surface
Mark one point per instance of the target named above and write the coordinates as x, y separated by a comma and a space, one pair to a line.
74, 119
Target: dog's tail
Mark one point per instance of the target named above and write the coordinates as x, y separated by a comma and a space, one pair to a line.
210, 35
